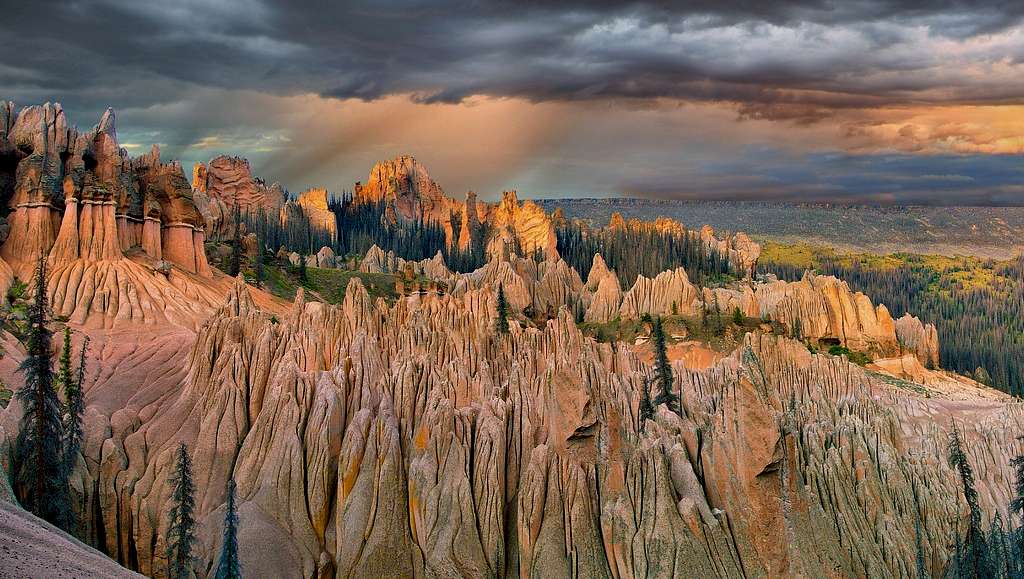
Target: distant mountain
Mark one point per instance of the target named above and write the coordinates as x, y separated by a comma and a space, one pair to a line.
996, 232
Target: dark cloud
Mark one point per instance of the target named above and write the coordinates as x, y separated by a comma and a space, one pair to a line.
209, 76
878, 179
820, 52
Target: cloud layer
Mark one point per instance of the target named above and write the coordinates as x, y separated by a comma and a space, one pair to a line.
552, 93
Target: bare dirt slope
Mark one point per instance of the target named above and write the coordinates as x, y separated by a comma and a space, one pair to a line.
33, 548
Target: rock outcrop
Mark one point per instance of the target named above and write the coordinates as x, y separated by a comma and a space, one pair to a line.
670, 292
227, 182
922, 339
78, 196
520, 229
823, 308
314, 206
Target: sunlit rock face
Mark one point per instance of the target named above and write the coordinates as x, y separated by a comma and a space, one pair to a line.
79, 196
505, 229
227, 182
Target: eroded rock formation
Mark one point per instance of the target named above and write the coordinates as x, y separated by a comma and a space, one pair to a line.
78, 196
506, 229
411, 440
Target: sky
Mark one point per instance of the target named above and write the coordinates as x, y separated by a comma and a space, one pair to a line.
855, 101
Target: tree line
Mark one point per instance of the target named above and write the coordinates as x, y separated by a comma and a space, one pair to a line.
632, 252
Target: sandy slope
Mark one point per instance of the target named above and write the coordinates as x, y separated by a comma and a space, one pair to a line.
33, 548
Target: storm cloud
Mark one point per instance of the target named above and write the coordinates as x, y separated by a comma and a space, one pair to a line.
204, 75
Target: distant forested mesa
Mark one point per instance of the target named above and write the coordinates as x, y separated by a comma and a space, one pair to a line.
977, 305
642, 251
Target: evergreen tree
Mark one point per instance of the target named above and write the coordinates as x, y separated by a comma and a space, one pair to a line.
236, 245
922, 571
181, 521
737, 316
646, 406
261, 241
39, 448
1017, 506
229, 567
975, 553
502, 307
74, 403
662, 368
719, 326
303, 276
998, 548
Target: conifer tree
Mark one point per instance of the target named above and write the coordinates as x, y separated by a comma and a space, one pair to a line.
260, 248
998, 548
303, 276
229, 567
737, 316
236, 245
922, 571
719, 326
662, 368
975, 553
502, 307
39, 448
74, 403
181, 521
704, 317
646, 406
1017, 506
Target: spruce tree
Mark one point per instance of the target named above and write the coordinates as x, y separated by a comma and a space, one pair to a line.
74, 403
719, 326
260, 245
998, 548
737, 316
39, 448
181, 521
646, 406
303, 276
662, 368
1017, 506
502, 307
229, 567
975, 553
236, 245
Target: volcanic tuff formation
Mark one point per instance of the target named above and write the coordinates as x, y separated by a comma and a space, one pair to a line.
409, 439
503, 228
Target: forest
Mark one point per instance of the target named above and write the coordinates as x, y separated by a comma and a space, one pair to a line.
641, 251
977, 305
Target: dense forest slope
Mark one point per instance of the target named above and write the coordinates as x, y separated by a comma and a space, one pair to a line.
977, 305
